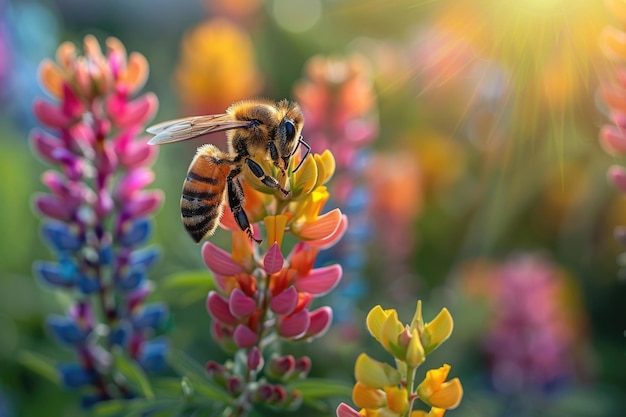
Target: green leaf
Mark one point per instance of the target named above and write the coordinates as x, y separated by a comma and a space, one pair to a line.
133, 372
197, 378
167, 387
315, 388
188, 287
40, 364
136, 407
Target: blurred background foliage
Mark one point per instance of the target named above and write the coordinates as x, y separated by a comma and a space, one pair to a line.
483, 189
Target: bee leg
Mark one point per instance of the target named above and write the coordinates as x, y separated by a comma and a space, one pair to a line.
258, 172
271, 149
235, 201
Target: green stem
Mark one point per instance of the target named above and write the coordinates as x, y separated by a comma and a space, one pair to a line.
410, 380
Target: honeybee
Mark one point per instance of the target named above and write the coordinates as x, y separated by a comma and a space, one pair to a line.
254, 129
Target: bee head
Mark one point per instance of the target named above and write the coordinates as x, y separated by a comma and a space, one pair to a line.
288, 131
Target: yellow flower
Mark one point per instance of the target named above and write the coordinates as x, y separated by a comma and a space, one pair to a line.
401, 341
397, 399
434, 412
435, 332
367, 397
434, 391
388, 401
374, 374
217, 67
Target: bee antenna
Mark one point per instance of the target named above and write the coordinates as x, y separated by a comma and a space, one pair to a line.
308, 151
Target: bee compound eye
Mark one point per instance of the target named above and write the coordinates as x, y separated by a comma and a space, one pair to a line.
290, 129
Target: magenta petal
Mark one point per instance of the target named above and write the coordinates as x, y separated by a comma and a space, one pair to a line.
144, 203
133, 112
71, 105
53, 207
104, 203
244, 337
218, 308
139, 154
273, 260
240, 304
617, 175
285, 302
320, 281
107, 161
132, 182
133, 153
73, 193
295, 325
613, 140
255, 359
45, 145
219, 261
344, 410
51, 115
321, 319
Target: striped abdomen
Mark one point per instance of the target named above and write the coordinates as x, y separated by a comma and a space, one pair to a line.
203, 192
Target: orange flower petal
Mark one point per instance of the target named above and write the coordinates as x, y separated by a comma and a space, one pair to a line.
613, 42
367, 397
322, 227
66, 55
330, 240
136, 72
92, 48
51, 78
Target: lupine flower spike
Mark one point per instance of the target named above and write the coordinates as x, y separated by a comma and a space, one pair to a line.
265, 290
96, 215
613, 93
382, 389
339, 104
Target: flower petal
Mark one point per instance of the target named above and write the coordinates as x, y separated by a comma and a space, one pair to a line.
285, 302
295, 325
437, 331
320, 281
368, 397
219, 261
617, 176
51, 77
218, 307
613, 140
322, 227
240, 305
375, 374
273, 260
244, 337
275, 226
321, 319
375, 319
50, 114
344, 410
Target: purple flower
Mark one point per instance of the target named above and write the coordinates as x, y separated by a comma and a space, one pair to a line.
97, 214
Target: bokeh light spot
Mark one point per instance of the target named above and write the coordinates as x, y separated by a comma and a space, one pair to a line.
297, 15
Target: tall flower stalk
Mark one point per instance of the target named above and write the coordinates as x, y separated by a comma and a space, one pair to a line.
613, 93
339, 103
97, 215
385, 390
264, 293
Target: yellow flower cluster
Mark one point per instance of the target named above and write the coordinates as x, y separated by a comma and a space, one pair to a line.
384, 390
299, 212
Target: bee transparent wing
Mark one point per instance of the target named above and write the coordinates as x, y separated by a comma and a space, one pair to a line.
190, 127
